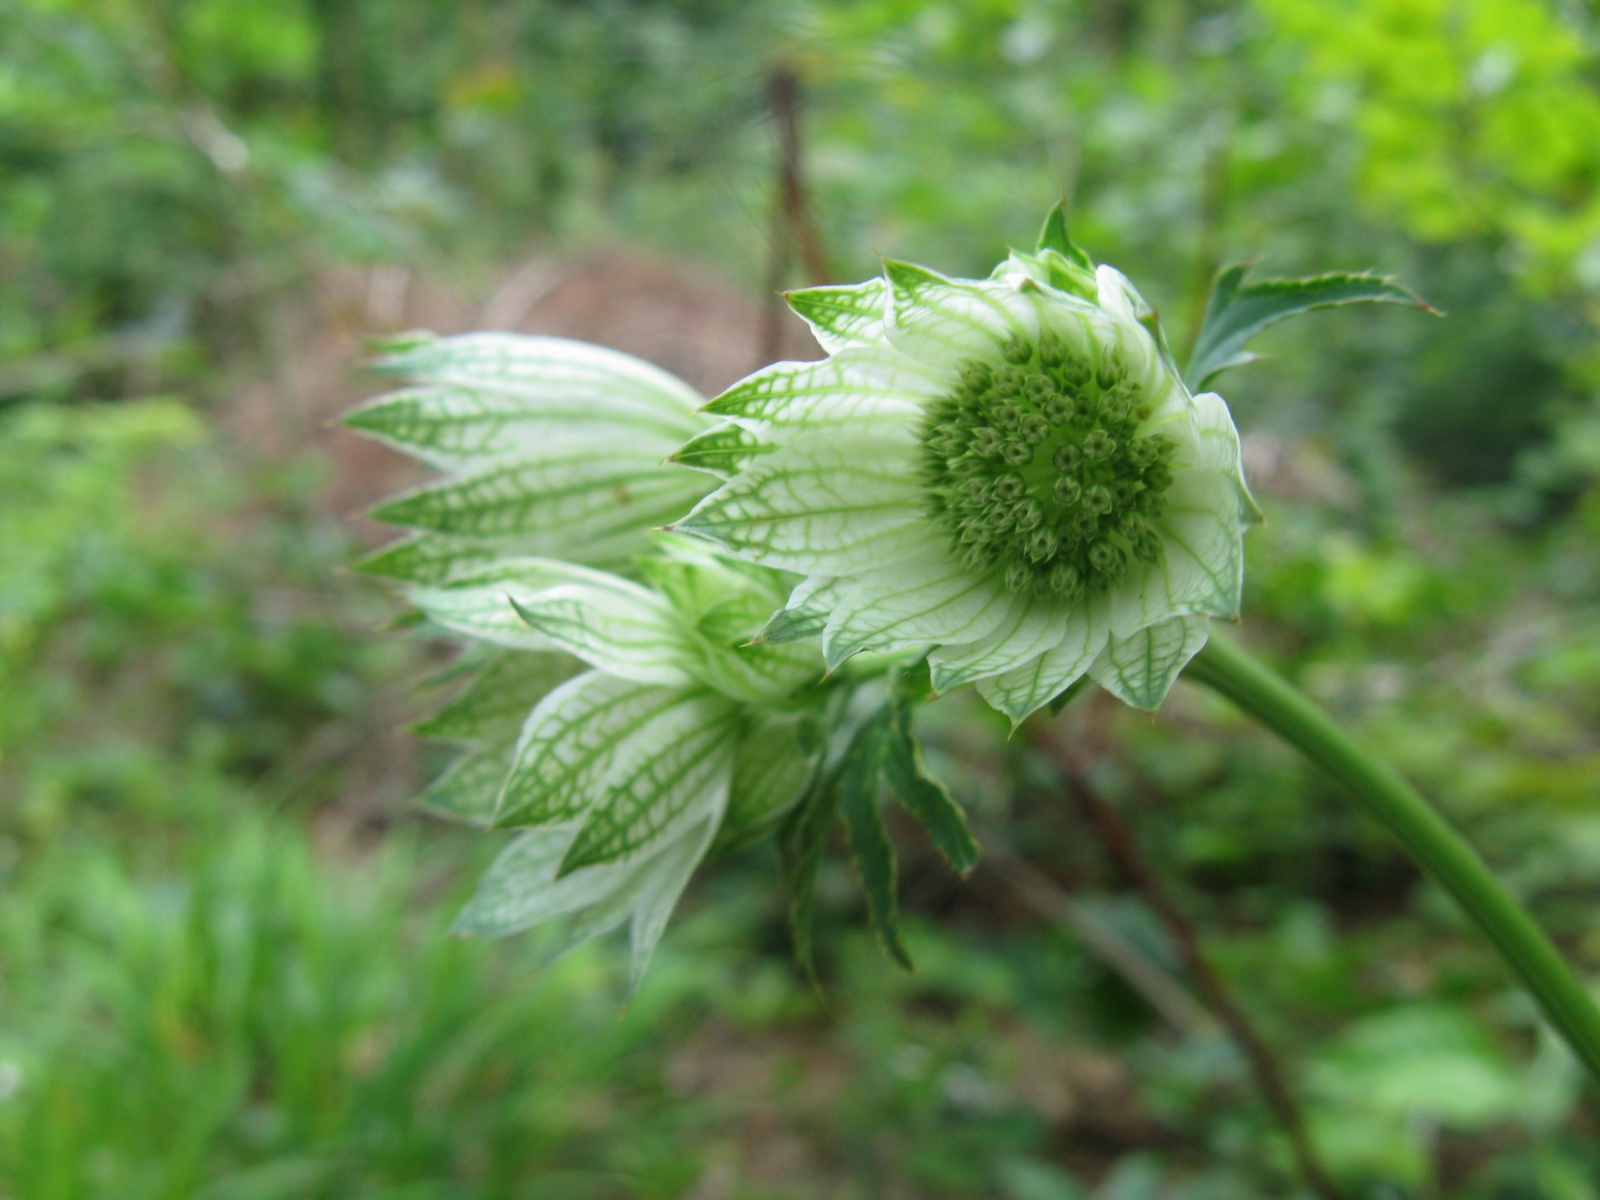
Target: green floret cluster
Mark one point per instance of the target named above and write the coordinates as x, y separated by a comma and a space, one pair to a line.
1035, 466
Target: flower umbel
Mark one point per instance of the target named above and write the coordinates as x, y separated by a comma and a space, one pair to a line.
1008, 470
1039, 468
623, 722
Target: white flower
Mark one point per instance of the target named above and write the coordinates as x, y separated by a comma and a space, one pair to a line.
623, 725
678, 740
1009, 471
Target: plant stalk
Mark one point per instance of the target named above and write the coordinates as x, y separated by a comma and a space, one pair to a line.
1123, 846
1231, 671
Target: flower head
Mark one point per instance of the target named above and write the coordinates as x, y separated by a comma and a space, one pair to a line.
619, 720
1007, 470
625, 729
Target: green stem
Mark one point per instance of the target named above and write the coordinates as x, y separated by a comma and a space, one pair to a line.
1228, 669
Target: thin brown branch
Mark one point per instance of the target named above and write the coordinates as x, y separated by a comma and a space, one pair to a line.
794, 224
1124, 849
1028, 884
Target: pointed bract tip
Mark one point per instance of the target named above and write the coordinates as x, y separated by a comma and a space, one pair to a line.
1055, 236
387, 345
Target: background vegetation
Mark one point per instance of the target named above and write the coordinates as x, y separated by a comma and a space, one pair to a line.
223, 968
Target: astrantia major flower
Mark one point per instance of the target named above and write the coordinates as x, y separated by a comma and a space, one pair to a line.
1008, 470
623, 722
625, 728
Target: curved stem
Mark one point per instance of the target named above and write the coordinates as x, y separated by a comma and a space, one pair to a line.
1444, 853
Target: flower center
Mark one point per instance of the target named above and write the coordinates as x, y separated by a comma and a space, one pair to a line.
1035, 465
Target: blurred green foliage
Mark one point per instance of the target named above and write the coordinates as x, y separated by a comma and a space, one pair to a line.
221, 949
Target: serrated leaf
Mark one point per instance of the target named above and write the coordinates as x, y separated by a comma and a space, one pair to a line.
722, 450
1054, 236
523, 889
650, 793
1237, 311
861, 805
499, 698
817, 505
925, 797
802, 839
574, 738
925, 598
854, 388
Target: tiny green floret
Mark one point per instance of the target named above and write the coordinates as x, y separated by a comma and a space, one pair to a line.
1036, 466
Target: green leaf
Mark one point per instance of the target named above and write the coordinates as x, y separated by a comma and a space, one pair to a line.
853, 387
1054, 236
736, 620
721, 450
1028, 688
861, 804
1068, 695
479, 605
499, 698
521, 890
911, 686
1238, 311
819, 505
659, 886
923, 598
802, 840
924, 796
757, 674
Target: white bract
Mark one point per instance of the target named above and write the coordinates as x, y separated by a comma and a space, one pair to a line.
1008, 471
679, 737
1002, 482
622, 723
547, 446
